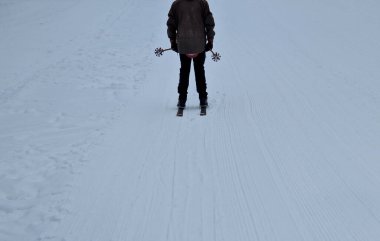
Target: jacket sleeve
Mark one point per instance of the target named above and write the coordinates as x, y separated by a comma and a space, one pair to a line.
172, 23
209, 21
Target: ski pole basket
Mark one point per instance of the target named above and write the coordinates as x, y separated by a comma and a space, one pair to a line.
159, 51
215, 56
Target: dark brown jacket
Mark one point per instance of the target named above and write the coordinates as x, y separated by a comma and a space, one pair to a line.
190, 23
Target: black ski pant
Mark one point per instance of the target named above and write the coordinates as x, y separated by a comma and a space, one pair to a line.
200, 77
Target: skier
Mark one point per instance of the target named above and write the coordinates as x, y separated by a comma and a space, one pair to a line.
191, 33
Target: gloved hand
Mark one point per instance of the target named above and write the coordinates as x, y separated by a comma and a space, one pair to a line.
174, 45
209, 45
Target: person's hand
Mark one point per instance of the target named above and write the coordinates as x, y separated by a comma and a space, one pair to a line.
209, 45
174, 45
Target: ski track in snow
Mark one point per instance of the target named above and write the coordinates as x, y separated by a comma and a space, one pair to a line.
91, 148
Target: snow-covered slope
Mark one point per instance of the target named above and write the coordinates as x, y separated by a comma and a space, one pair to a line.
91, 149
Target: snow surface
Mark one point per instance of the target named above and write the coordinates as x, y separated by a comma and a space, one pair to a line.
91, 149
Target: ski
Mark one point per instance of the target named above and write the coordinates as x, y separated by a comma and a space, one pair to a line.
203, 110
180, 111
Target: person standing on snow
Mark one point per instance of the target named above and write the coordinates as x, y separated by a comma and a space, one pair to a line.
191, 33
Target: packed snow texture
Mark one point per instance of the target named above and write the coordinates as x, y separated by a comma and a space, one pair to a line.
91, 149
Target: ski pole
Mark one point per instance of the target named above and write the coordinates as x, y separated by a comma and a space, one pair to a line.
160, 51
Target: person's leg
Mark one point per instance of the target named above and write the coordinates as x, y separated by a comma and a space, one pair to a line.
200, 77
184, 78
